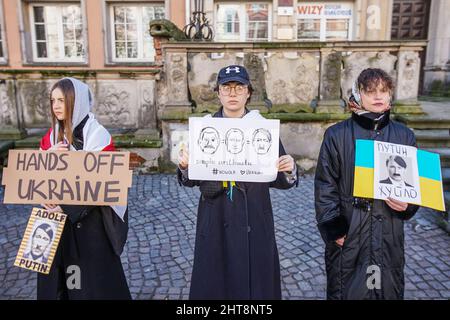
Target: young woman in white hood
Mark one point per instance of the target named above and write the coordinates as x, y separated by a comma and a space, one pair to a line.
93, 236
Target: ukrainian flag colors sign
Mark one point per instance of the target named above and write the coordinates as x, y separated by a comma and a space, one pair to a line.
402, 172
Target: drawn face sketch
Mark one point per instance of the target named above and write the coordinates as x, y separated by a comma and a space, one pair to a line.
396, 168
234, 140
41, 239
208, 140
262, 141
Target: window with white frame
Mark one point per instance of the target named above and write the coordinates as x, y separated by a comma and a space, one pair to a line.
324, 21
243, 21
131, 40
57, 32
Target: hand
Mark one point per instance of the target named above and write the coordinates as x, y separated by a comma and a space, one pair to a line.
285, 163
396, 204
52, 207
183, 158
60, 146
340, 242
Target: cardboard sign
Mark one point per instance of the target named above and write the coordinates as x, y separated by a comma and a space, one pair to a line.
67, 177
233, 149
40, 241
401, 172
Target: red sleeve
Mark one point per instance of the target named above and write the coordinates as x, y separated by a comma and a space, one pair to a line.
110, 146
45, 141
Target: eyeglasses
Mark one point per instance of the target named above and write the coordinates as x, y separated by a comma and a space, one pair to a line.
238, 89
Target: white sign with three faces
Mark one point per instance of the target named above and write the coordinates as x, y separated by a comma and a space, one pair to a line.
224, 149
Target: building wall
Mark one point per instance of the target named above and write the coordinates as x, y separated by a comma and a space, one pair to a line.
96, 29
370, 19
437, 67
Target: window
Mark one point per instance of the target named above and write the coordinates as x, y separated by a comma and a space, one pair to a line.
2, 54
2, 37
57, 33
308, 29
324, 21
258, 22
130, 29
337, 29
243, 22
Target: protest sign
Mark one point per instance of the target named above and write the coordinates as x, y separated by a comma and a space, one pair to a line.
40, 241
233, 149
401, 172
67, 177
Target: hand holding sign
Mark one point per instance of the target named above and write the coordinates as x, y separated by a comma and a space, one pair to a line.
52, 207
396, 205
61, 146
285, 164
183, 157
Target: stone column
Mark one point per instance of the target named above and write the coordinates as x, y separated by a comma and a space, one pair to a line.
330, 82
407, 86
11, 124
437, 68
173, 86
147, 115
176, 77
254, 65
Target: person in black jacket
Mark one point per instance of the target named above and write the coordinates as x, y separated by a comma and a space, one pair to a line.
87, 262
364, 240
236, 255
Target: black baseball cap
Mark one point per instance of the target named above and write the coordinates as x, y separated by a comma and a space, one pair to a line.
233, 73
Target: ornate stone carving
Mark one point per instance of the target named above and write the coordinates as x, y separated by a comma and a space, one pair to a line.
35, 101
355, 62
8, 116
113, 105
408, 75
203, 76
176, 73
291, 91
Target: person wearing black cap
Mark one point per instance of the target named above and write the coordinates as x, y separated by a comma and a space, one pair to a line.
236, 256
396, 167
364, 240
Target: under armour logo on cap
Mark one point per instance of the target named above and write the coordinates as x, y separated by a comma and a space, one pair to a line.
233, 73
236, 69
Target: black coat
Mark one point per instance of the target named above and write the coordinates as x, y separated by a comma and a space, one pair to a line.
236, 255
93, 239
374, 231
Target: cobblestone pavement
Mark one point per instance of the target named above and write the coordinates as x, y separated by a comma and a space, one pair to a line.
159, 252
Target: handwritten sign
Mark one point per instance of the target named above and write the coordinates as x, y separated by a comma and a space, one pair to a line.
67, 177
401, 172
40, 241
233, 149
396, 172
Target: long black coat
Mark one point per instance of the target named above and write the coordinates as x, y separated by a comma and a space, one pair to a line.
374, 235
236, 255
92, 239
